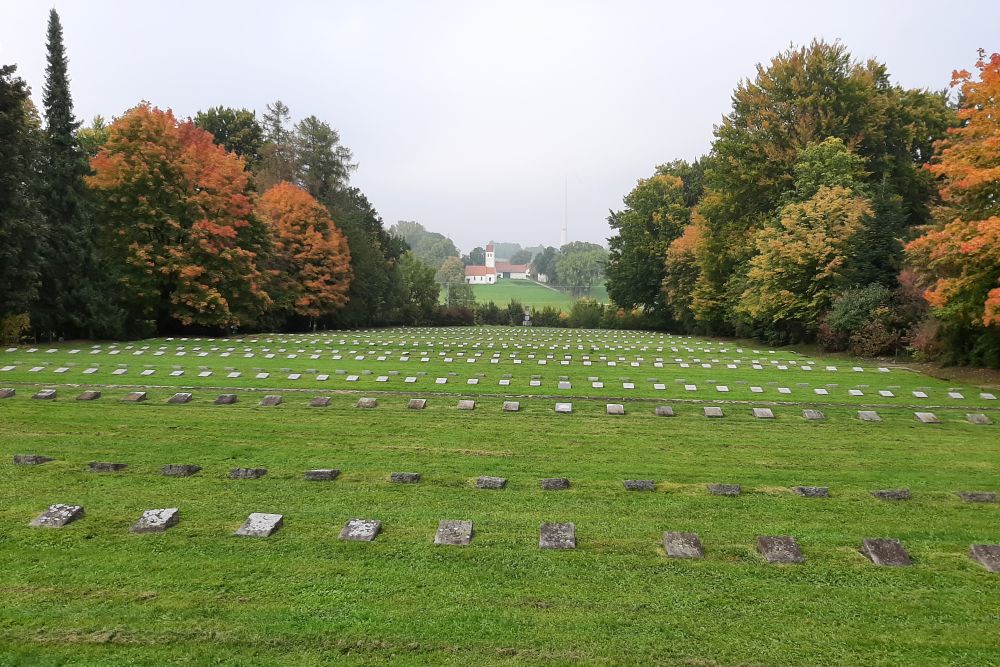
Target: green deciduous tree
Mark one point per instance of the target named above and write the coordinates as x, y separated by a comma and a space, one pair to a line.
422, 291
451, 277
235, 129
580, 265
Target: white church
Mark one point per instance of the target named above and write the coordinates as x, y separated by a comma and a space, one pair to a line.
494, 270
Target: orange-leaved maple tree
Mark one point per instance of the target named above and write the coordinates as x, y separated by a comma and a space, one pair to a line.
178, 222
961, 253
310, 261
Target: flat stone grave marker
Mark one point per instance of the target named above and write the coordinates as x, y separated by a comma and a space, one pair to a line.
361, 530
226, 399
819, 391
926, 417
511, 406
557, 536
89, 395
919, 394
682, 545
639, 485
554, 483
106, 466
868, 416
763, 413
57, 516
663, 411
322, 475
565, 385
156, 521
405, 477
260, 524
270, 400
713, 412
45, 395
980, 419
887, 552
487, 482
247, 473
453, 533
813, 415
978, 496
8, 393
31, 459
615, 409
466, 404
781, 549
320, 402
179, 398
367, 403
564, 408
410, 379
987, 396
417, 404
180, 470
725, 489
892, 494
812, 491
134, 397
987, 555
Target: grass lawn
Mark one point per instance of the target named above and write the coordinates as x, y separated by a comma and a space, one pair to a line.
531, 293
92, 593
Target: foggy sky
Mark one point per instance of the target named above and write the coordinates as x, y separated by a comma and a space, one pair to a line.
469, 117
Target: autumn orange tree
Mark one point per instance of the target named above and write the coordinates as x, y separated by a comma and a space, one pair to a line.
311, 262
960, 253
177, 223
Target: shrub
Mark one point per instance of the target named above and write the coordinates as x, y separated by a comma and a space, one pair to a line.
13, 327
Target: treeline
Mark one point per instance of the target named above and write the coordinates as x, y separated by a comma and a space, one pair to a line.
154, 224
834, 207
584, 314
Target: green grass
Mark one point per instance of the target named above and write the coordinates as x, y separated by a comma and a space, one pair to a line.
91, 593
533, 294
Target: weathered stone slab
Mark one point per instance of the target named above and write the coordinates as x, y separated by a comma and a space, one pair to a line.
683, 545
812, 491
180, 398
466, 404
763, 413
322, 474
8, 393
405, 477
361, 530
663, 411
31, 459
557, 536
639, 485
226, 399
616, 409
886, 552
779, 549
868, 416
926, 417
987, 555
980, 419
271, 400
320, 402
725, 489
892, 494
454, 533
156, 521
554, 483
105, 466
260, 524
247, 473
367, 403
564, 408
57, 516
487, 482
90, 395
978, 496
417, 404
813, 415
511, 406
180, 470
45, 395
134, 397
713, 412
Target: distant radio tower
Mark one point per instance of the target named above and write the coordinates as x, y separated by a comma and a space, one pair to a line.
564, 234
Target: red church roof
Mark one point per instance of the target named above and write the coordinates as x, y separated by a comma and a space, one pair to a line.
479, 270
489, 248
507, 267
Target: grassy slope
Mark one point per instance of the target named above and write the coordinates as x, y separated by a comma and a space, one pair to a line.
93, 593
527, 292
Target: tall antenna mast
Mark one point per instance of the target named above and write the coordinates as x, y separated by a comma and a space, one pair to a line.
563, 236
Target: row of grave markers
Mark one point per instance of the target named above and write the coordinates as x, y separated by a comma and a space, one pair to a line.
775, 549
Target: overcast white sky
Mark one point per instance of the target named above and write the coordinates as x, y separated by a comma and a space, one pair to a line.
469, 117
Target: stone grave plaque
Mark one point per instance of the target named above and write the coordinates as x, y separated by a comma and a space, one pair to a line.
812, 491
45, 395
511, 406
417, 404
57, 516
565, 385
226, 399
557, 536
405, 477
978, 496
987, 555
885, 552
763, 413
713, 412
134, 397
564, 408
322, 475
466, 404
616, 409
156, 521
180, 470
361, 530
320, 402
979, 419
926, 417
8, 393
639, 485
89, 395
813, 415
31, 459
367, 403
260, 524
724, 489
892, 494
106, 466
180, 398
453, 533
247, 473
868, 416
554, 483
663, 411
682, 545
270, 400
487, 482
779, 549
